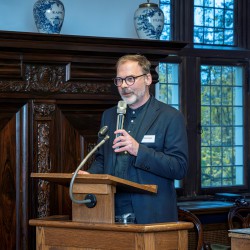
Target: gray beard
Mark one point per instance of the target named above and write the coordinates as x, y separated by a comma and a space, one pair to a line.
134, 98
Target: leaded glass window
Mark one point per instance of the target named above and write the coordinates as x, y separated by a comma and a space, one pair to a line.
167, 89
221, 126
165, 5
214, 22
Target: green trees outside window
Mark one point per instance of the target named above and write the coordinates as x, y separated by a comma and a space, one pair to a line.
221, 126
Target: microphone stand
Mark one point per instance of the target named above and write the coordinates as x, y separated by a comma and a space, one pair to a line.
89, 200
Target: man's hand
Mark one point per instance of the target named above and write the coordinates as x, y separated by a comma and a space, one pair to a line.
82, 172
125, 142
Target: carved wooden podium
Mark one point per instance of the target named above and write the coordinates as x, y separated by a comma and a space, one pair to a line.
94, 228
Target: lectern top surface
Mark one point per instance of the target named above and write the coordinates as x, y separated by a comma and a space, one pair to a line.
65, 178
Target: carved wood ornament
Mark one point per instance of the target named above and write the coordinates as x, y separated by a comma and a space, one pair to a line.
51, 79
43, 115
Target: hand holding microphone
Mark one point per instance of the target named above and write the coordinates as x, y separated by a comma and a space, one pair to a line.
125, 142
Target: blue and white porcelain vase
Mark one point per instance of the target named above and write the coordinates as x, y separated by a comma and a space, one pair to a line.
49, 16
149, 21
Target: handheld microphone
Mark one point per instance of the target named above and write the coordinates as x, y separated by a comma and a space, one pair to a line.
121, 111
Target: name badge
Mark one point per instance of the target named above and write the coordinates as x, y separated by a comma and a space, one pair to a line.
148, 139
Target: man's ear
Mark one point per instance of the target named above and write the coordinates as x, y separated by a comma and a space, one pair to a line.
148, 79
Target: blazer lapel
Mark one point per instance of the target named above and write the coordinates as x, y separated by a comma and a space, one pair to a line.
149, 118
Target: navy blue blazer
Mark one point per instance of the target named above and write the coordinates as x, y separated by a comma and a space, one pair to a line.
158, 162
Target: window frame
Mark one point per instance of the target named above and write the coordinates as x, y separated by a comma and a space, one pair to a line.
190, 81
183, 22
190, 58
245, 65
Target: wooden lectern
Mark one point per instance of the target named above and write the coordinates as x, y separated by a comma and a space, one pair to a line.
94, 228
102, 186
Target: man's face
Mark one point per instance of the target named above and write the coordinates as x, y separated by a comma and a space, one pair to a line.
138, 93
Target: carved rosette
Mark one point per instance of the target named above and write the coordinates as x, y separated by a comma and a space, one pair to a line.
51, 79
44, 111
43, 114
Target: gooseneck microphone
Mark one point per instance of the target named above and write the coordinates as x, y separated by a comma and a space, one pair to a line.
121, 111
102, 133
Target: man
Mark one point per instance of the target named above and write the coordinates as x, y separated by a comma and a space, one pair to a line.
151, 149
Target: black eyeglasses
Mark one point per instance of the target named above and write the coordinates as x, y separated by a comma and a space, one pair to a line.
130, 80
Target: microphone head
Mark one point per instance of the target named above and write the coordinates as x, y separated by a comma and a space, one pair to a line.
121, 107
103, 131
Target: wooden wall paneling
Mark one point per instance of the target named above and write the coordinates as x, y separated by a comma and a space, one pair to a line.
8, 184
13, 175
71, 152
